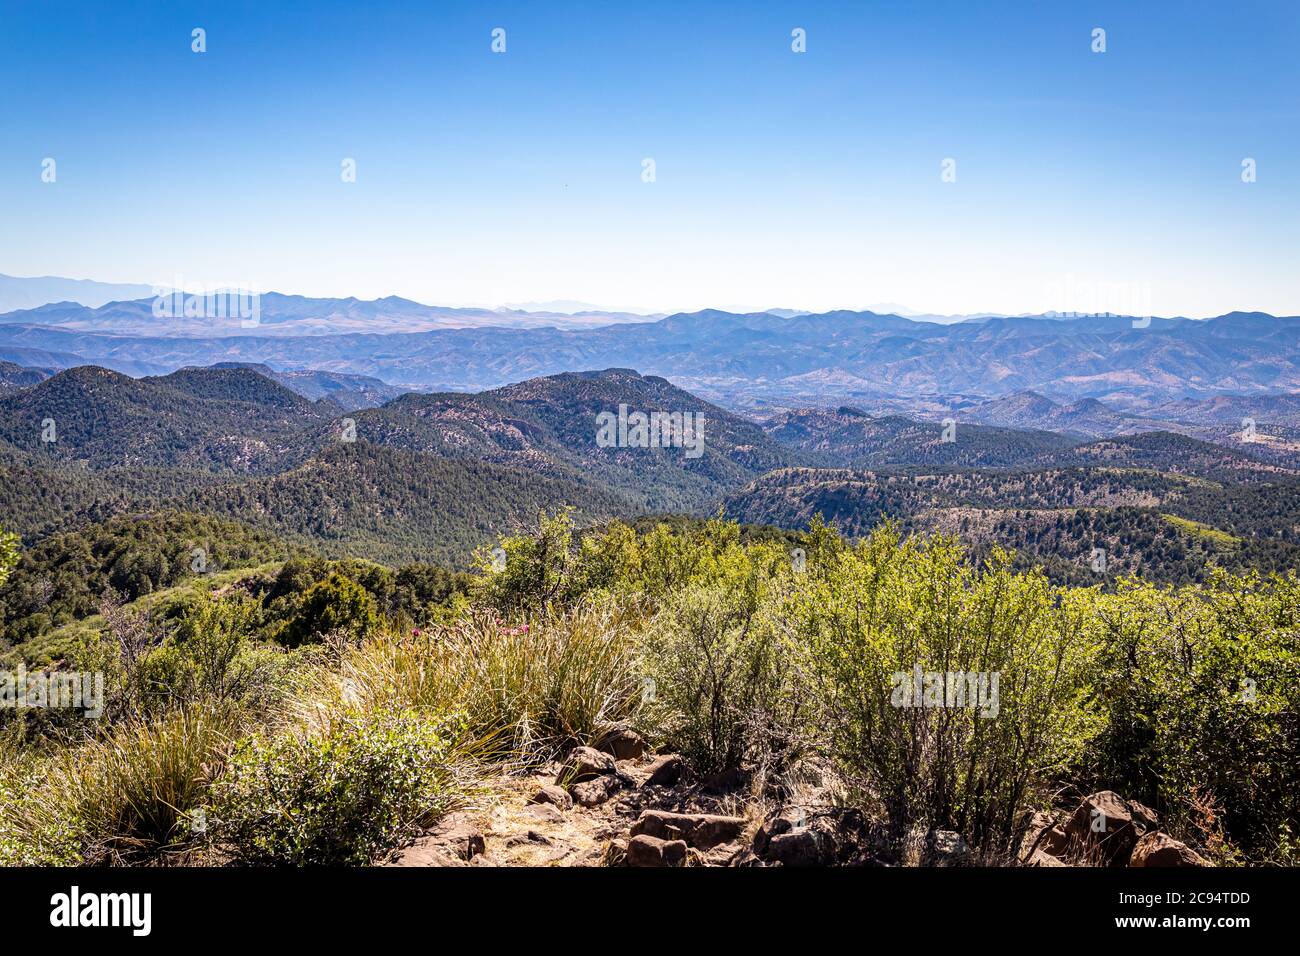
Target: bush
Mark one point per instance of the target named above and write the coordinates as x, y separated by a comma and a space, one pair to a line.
536, 570
723, 670
211, 656
1202, 689
35, 828
334, 606
887, 606
339, 798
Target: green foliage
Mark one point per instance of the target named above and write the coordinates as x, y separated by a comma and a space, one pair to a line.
396, 506
121, 796
335, 606
721, 662
1202, 686
560, 677
338, 798
211, 656
887, 606
8, 554
62, 578
535, 570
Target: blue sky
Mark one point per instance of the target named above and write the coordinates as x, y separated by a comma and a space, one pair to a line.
1084, 181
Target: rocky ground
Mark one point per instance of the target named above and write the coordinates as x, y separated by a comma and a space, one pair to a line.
618, 805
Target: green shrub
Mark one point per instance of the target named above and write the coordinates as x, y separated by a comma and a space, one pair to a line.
36, 829
210, 656
887, 606
334, 606
723, 670
1202, 689
536, 567
337, 798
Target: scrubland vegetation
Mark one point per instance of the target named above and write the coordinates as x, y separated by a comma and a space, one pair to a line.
318, 712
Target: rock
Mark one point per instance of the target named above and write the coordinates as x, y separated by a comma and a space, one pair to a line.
724, 854
790, 838
1039, 858
947, 848
545, 812
1055, 841
643, 850
1106, 827
783, 821
665, 771
552, 794
623, 744
807, 846
458, 835
1160, 849
584, 763
532, 836
746, 857
452, 841
700, 830
592, 793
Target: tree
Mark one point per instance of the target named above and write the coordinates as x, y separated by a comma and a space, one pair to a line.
337, 605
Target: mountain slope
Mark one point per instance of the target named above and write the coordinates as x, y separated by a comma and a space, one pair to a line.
395, 506
1170, 452
549, 425
849, 437
16, 377
228, 419
18, 292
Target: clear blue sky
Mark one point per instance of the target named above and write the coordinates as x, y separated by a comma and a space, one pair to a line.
799, 180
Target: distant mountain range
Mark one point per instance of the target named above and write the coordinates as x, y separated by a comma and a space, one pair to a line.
29, 293
753, 361
279, 315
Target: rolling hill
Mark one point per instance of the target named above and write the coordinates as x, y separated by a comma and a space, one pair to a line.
224, 419
849, 437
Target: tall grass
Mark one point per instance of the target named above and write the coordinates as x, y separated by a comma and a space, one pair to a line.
120, 797
560, 677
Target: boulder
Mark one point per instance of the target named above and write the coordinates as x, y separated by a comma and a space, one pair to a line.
1055, 841
666, 771
452, 841
780, 821
1039, 858
724, 854
1160, 849
789, 838
1035, 831
557, 796
1106, 827
703, 831
584, 763
592, 793
644, 850
807, 846
623, 745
